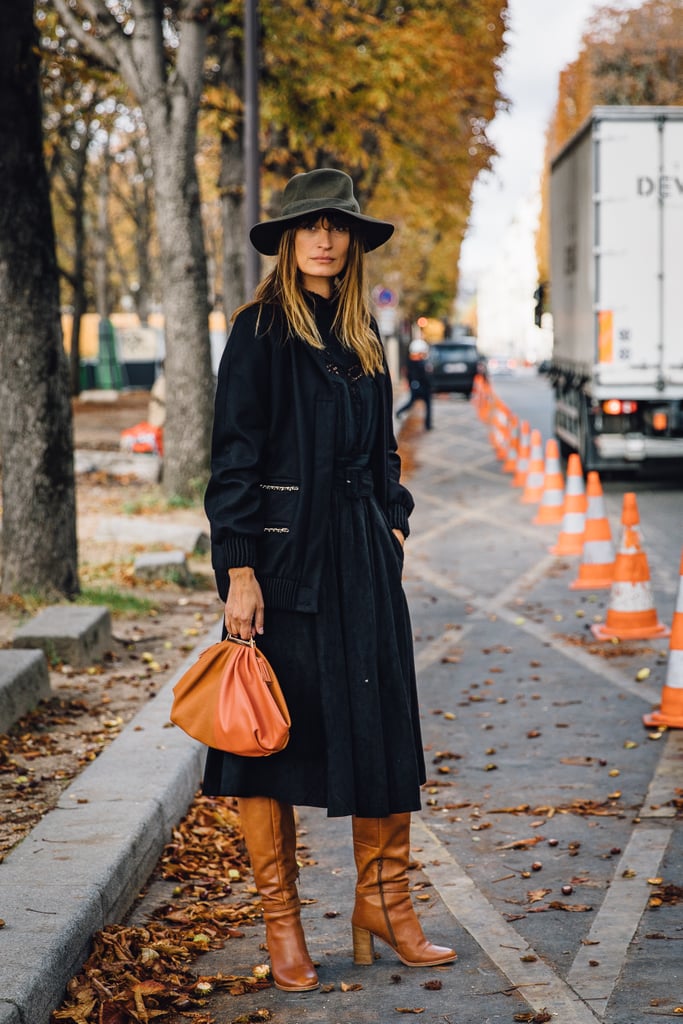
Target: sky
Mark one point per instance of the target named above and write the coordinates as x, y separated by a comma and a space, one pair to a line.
543, 37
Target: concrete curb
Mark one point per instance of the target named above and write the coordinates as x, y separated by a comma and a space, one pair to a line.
24, 681
86, 861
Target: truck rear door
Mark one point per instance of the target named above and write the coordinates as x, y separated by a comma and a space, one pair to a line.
638, 225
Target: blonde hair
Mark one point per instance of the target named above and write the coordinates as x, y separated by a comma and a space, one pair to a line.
352, 323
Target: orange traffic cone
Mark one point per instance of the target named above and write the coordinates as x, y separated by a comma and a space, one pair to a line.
511, 457
533, 485
630, 516
570, 541
500, 436
550, 509
484, 399
596, 571
631, 614
523, 453
477, 391
495, 426
671, 710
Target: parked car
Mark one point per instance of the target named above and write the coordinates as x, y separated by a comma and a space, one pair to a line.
455, 364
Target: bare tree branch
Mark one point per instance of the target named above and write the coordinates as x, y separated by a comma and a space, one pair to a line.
101, 52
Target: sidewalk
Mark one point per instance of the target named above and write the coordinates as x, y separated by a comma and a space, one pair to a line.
87, 860
536, 756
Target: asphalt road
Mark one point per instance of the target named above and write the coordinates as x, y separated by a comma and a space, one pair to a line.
551, 819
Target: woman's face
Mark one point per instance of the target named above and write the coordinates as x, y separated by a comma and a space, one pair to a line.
321, 249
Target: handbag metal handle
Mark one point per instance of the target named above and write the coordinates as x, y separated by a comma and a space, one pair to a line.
239, 640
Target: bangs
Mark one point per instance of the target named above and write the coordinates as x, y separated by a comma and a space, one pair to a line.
329, 218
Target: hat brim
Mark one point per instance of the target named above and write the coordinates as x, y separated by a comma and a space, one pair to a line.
265, 236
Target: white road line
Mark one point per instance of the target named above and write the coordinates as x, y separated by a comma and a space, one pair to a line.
463, 516
440, 647
524, 582
596, 666
596, 968
666, 780
536, 982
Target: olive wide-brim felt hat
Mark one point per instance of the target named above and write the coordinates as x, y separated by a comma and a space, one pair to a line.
316, 192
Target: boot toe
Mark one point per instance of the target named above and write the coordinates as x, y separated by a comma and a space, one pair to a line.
431, 956
302, 981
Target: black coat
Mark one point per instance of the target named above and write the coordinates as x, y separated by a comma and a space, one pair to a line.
272, 463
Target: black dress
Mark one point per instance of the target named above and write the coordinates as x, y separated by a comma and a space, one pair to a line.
347, 671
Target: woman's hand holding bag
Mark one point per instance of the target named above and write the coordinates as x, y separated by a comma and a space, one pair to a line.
230, 699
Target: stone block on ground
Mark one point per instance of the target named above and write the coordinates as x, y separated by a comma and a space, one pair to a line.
163, 565
24, 681
150, 530
75, 634
145, 467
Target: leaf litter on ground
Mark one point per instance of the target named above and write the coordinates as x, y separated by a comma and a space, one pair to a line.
139, 973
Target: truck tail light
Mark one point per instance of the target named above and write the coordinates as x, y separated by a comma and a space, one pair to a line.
619, 407
659, 421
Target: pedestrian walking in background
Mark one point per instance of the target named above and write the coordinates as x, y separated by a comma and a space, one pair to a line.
308, 520
418, 371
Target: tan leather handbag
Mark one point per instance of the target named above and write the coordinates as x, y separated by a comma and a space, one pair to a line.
230, 699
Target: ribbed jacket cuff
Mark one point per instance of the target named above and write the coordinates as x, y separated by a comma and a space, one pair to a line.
239, 551
398, 519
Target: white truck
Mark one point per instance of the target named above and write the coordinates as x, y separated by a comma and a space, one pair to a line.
616, 227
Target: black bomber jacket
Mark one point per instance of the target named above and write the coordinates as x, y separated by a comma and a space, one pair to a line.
272, 461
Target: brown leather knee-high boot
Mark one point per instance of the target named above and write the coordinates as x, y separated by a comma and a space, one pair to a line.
270, 835
383, 906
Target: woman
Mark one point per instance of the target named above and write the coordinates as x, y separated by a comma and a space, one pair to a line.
308, 520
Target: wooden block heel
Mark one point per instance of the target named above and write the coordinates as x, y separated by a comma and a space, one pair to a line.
363, 946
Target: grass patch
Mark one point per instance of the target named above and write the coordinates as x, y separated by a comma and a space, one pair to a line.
117, 602
156, 502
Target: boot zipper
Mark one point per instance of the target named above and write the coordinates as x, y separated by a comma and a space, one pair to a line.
384, 906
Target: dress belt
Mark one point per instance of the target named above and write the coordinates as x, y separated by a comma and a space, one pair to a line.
354, 481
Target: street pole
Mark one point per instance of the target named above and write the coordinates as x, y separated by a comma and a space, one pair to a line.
252, 162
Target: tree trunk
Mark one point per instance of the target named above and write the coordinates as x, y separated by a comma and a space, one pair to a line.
187, 430
79, 309
234, 228
233, 177
38, 493
102, 238
78, 298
